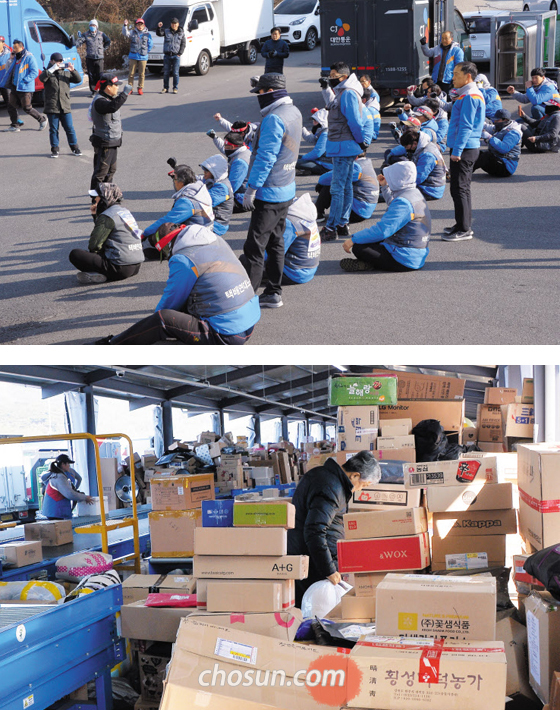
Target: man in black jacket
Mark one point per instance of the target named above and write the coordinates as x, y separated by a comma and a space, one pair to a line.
57, 78
542, 135
275, 50
106, 135
173, 46
321, 499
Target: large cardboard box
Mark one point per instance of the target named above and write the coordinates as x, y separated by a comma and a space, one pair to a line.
450, 414
241, 541
353, 390
20, 554
518, 420
51, 533
499, 395
406, 455
281, 625
151, 623
489, 422
395, 427
476, 522
253, 595
385, 495
475, 496
413, 385
447, 473
358, 607
385, 523
396, 442
465, 552
543, 635
137, 587
500, 467
365, 585
429, 674
182, 492
454, 608
539, 493
217, 513
223, 567
386, 554
514, 636
357, 428
172, 533
278, 514
177, 584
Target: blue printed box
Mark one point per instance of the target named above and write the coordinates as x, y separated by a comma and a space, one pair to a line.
217, 513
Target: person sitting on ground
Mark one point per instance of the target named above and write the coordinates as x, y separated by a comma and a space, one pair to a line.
490, 94
365, 81
274, 51
114, 251
216, 180
399, 241
57, 78
192, 204
442, 120
247, 130
418, 95
542, 135
208, 298
504, 146
540, 89
430, 166
315, 162
421, 118
238, 157
365, 191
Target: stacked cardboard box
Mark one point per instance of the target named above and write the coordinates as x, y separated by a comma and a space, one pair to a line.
543, 635
357, 427
539, 494
503, 418
230, 473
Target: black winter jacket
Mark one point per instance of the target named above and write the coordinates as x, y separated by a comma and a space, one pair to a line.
321, 499
547, 131
57, 89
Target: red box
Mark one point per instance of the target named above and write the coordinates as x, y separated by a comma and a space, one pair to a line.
386, 554
519, 574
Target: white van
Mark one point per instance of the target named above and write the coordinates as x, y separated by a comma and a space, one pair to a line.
214, 29
299, 22
478, 27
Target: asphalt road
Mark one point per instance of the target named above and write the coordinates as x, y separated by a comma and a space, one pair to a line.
499, 288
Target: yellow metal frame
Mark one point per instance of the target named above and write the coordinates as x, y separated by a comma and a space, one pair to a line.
105, 525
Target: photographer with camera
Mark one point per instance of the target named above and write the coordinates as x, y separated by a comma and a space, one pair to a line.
57, 78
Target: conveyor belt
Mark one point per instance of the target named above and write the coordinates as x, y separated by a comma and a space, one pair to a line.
16, 614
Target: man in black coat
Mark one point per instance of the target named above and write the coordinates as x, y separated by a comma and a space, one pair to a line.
274, 51
57, 78
321, 499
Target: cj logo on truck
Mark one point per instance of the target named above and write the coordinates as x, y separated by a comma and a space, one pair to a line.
339, 30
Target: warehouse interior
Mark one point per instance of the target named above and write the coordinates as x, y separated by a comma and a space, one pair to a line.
279, 536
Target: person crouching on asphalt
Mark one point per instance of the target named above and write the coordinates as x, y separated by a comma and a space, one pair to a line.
21, 72
215, 178
504, 146
399, 241
57, 78
141, 43
173, 47
365, 191
542, 135
208, 298
114, 251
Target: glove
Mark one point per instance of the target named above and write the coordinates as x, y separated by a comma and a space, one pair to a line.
52, 69
318, 187
423, 40
486, 136
411, 89
211, 133
364, 146
273, 53
172, 162
79, 34
249, 199
127, 89
323, 82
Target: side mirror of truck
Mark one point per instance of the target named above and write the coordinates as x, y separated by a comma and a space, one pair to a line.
71, 42
193, 25
317, 11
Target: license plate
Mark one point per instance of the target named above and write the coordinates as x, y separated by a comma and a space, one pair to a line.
477, 53
155, 56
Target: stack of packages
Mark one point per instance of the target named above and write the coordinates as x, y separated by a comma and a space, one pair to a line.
230, 473
245, 569
505, 418
176, 512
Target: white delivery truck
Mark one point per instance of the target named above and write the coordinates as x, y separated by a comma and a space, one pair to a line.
214, 29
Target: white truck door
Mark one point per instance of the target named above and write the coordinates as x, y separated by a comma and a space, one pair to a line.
203, 36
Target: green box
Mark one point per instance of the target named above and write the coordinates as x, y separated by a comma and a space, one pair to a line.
344, 391
277, 515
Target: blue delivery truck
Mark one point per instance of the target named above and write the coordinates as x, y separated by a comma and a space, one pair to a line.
28, 21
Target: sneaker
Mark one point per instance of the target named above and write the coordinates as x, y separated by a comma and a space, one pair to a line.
163, 91
43, 123
355, 265
54, 152
321, 218
342, 230
104, 341
13, 129
451, 230
458, 236
76, 150
175, 91
140, 92
85, 277
328, 235
270, 300
19, 122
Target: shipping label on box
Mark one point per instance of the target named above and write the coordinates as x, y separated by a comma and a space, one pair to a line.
182, 492
446, 473
357, 428
410, 552
474, 496
396, 442
395, 427
450, 414
476, 522
463, 552
352, 390
385, 494
385, 523
274, 514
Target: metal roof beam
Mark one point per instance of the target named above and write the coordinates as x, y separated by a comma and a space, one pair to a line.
223, 379
281, 387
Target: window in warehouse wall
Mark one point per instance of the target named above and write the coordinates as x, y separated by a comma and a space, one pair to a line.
295, 432
28, 414
316, 431
114, 416
187, 426
271, 430
331, 431
240, 426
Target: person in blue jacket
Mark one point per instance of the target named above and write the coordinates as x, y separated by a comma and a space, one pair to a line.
504, 146
315, 162
274, 51
430, 166
370, 99
141, 44
216, 180
238, 156
192, 204
463, 138
271, 185
208, 298
446, 56
365, 191
490, 94
540, 89
399, 241
19, 77
346, 139
440, 117
5, 57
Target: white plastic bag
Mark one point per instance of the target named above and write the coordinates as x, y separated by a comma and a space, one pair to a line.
321, 597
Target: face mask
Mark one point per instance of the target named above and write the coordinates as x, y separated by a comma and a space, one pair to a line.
92, 28
334, 82
314, 129
500, 125
549, 110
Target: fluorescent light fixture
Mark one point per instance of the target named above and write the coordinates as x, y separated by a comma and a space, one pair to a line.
341, 368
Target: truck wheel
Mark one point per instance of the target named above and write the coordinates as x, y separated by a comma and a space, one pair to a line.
202, 65
154, 69
249, 56
311, 39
